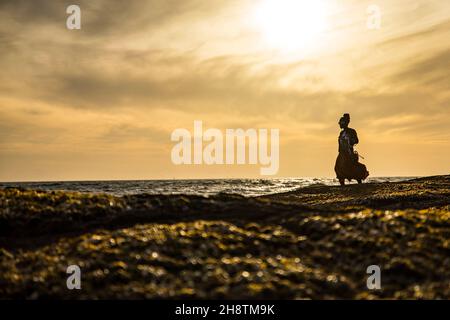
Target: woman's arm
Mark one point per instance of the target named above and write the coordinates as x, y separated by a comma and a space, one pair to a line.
354, 137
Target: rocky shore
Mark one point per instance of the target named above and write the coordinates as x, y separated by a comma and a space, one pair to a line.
315, 242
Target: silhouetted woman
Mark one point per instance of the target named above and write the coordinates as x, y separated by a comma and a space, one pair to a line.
347, 165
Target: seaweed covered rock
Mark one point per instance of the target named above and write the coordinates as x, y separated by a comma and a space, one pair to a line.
313, 243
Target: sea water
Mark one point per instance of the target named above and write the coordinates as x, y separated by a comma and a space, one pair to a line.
244, 187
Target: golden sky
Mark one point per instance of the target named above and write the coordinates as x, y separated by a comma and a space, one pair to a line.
101, 102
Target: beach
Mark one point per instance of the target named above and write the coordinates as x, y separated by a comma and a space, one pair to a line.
315, 242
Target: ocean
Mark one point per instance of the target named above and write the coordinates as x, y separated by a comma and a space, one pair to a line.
205, 187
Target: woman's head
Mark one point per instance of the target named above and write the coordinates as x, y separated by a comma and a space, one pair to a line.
344, 121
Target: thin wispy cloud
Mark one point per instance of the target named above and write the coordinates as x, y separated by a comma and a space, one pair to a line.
139, 69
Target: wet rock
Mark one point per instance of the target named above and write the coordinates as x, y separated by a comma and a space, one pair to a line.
312, 243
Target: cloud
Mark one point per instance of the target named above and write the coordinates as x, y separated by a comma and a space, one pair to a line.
110, 18
432, 72
422, 34
139, 69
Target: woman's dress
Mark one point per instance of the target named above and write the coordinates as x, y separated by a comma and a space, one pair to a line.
347, 165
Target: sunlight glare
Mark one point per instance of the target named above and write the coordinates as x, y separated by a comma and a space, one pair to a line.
291, 25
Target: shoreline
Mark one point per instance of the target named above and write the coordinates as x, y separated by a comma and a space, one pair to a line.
315, 242
201, 187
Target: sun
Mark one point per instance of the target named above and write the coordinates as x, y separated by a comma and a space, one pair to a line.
291, 25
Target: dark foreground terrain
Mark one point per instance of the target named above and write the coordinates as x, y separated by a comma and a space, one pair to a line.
315, 242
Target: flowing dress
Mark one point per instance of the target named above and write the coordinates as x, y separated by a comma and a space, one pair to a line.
347, 165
